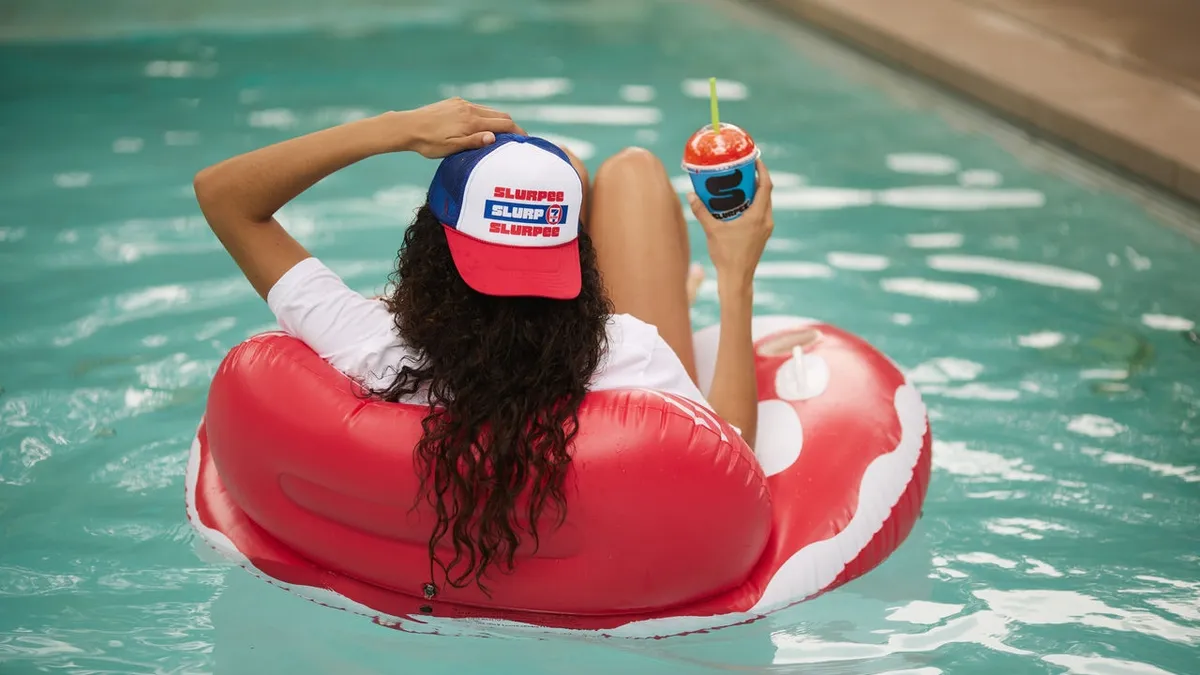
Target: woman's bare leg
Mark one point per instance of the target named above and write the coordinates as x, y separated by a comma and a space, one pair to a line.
637, 225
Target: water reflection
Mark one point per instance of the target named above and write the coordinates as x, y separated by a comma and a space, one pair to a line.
727, 90
1101, 665
862, 262
128, 145
1051, 607
979, 178
934, 240
73, 179
925, 164
181, 138
637, 93
981, 466
511, 89
792, 270
607, 115
1096, 426
1031, 529
1188, 474
933, 290
1167, 322
1034, 273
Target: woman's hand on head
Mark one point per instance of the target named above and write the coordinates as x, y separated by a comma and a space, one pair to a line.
736, 246
450, 126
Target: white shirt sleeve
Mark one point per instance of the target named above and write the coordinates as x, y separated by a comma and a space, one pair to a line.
353, 333
665, 372
638, 357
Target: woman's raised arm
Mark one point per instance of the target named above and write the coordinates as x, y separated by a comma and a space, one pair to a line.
240, 196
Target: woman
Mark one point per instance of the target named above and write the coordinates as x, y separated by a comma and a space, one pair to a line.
517, 290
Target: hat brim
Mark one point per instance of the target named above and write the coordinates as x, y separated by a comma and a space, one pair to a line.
510, 271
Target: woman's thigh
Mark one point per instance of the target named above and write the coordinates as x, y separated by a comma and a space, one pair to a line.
637, 225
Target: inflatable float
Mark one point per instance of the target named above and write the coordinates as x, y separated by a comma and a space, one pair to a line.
674, 525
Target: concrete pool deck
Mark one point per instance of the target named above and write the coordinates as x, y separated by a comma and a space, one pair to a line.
1116, 80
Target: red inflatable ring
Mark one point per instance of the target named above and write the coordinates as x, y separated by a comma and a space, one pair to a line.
673, 526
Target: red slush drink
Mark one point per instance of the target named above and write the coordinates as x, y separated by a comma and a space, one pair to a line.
721, 166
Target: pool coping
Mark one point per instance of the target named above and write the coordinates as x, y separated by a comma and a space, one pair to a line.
1071, 95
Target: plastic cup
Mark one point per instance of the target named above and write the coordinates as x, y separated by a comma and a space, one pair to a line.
721, 166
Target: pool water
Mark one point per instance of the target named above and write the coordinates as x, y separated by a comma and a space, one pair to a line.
1045, 314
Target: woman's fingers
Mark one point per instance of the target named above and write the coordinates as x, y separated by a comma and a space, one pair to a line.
495, 120
471, 142
701, 212
764, 177
500, 125
762, 196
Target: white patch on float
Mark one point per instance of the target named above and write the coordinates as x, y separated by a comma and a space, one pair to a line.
705, 342
780, 436
817, 565
802, 377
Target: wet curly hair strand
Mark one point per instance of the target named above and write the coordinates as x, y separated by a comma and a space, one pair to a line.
505, 377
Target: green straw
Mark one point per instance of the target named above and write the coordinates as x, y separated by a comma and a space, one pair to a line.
712, 95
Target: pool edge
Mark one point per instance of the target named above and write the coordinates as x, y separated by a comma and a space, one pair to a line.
1070, 95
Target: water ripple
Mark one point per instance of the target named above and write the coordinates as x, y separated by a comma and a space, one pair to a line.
1167, 322
1034, 273
862, 262
1188, 474
603, 115
145, 303
934, 240
510, 89
981, 466
1096, 426
154, 466
1045, 607
919, 163
22, 581
1026, 528
1041, 339
1101, 665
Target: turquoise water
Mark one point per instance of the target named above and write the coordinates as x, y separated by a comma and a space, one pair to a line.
1060, 532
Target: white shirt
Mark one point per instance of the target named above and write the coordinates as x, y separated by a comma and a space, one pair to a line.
357, 335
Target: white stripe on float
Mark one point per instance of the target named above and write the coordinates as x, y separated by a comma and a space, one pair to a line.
878, 493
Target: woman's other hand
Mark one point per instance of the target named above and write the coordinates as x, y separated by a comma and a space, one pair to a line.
449, 126
736, 246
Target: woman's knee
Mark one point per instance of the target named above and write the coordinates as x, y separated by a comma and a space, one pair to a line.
631, 161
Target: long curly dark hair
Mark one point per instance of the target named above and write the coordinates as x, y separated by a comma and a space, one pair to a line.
505, 377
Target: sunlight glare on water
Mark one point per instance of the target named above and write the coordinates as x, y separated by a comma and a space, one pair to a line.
1048, 322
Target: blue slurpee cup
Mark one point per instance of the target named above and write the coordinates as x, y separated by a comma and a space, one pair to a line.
721, 166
